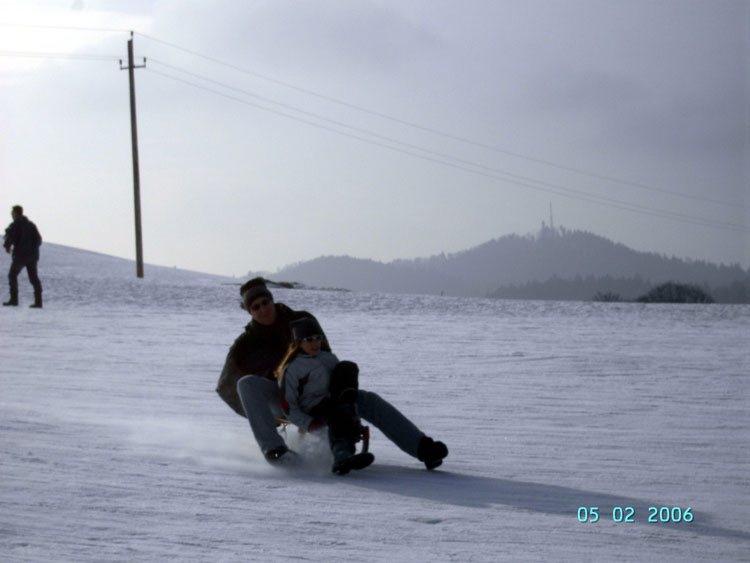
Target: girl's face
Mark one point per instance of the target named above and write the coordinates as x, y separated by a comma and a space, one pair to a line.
311, 345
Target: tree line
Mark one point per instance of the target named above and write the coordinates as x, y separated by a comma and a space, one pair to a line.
635, 288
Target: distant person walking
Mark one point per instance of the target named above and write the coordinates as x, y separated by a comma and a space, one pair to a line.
24, 238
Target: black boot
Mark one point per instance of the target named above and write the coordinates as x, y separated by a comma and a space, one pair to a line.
431, 452
345, 459
344, 431
282, 456
37, 302
12, 303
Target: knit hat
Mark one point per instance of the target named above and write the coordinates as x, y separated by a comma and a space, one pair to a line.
253, 289
306, 326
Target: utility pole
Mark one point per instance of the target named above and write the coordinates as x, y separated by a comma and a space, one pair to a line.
136, 173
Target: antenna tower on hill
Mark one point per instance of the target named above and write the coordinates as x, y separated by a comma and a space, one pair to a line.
551, 220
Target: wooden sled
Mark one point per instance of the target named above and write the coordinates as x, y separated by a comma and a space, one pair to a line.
364, 436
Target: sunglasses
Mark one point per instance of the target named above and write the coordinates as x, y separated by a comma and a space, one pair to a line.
259, 305
313, 338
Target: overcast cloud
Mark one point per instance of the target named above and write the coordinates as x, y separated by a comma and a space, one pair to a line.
261, 168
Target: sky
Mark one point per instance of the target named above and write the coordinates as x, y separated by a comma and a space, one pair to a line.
277, 131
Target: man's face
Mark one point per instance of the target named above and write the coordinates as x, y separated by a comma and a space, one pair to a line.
263, 311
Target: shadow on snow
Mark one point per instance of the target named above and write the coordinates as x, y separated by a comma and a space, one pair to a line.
483, 492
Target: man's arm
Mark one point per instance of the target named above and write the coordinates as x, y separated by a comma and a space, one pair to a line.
8, 238
227, 384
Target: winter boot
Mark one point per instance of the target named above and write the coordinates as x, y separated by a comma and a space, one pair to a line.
431, 452
13, 301
37, 302
282, 456
345, 459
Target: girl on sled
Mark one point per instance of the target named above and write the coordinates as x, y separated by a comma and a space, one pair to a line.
319, 390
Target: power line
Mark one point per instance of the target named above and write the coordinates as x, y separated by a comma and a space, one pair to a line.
434, 131
391, 118
472, 167
66, 27
429, 155
331, 121
69, 56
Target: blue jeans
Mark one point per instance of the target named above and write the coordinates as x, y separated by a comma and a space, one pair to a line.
261, 400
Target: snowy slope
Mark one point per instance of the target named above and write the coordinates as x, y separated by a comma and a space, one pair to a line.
115, 447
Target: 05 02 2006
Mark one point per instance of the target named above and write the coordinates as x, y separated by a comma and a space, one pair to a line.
656, 514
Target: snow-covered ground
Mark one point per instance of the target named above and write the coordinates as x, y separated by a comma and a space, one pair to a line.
115, 447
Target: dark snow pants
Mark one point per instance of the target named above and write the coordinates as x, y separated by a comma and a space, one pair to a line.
15, 269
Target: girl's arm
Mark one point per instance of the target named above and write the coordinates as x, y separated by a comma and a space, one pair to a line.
291, 389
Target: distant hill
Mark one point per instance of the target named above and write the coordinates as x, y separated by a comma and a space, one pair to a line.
72, 277
501, 266
368, 275
57, 260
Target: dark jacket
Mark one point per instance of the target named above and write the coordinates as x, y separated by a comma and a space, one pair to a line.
25, 239
257, 351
